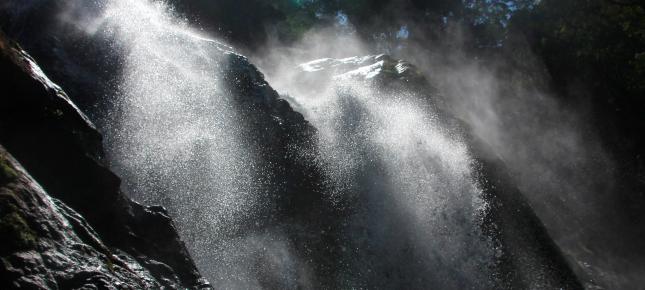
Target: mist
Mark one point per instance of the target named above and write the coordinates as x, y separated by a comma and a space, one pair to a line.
357, 155
550, 147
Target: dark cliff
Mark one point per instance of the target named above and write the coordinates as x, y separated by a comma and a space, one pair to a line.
62, 150
79, 215
528, 258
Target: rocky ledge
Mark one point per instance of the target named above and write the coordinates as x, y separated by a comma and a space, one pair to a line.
65, 222
527, 256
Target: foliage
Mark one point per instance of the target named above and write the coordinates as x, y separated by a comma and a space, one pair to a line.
489, 18
596, 42
595, 51
601, 42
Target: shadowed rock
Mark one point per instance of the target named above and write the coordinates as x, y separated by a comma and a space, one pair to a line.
61, 149
286, 149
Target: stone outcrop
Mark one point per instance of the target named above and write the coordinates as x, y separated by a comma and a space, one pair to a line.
79, 212
50, 246
62, 150
529, 259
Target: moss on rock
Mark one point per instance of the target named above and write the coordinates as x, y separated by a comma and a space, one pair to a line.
7, 173
14, 230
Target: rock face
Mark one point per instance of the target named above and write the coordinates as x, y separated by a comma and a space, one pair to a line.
286, 145
527, 257
137, 245
50, 246
78, 228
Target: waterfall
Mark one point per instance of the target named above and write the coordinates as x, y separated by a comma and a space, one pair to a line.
419, 206
173, 123
330, 166
175, 134
176, 139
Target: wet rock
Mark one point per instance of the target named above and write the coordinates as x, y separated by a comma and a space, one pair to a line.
145, 238
89, 216
47, 250
527, 257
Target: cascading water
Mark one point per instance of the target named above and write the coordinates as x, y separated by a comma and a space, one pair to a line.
179, 137
377, 186
175, 137
419, 206
172, 117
